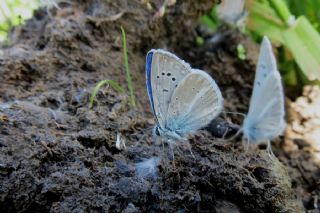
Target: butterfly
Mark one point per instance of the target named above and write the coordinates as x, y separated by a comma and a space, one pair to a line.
265, 118
233, 12
182, 99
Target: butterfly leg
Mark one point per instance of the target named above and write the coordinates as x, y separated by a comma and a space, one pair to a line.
170, 142
225, 134
269, 150
234, 136
246, 144
162, 146
190, 149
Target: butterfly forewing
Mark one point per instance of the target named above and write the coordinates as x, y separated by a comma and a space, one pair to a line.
266, 63
196, 101
164, 73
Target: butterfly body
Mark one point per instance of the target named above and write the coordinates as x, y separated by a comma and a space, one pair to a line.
182, 99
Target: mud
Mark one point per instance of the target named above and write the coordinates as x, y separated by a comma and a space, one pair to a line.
58, 155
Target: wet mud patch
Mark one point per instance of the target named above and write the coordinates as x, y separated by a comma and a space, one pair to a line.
59, 155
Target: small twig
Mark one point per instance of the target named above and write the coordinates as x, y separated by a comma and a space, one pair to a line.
302, 172
46, 147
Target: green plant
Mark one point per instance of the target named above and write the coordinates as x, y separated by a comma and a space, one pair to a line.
112, 83
298, 40
241, 52
274, 19
15, 12
126, 65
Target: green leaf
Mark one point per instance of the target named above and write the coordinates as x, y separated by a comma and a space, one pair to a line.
281, 9
263, 20
304, 43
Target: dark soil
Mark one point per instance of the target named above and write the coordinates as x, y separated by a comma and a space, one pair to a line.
58, 155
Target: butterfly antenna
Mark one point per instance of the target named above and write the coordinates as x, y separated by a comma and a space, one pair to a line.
235, 113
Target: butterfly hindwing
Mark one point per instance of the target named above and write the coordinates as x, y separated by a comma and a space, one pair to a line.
196, 101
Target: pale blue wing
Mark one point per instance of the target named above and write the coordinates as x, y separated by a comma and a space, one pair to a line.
164, 71
266, 63
265, 119
196, 101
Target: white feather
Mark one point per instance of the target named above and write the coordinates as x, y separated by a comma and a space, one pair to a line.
148, 167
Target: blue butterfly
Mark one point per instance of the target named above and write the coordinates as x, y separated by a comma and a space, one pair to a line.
265, 119
182, 99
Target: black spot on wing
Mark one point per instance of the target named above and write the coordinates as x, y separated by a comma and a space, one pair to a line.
168, 74
165, 90
173, 79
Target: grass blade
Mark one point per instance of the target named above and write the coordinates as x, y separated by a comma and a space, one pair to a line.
304, 43
126, 65
281, 9
263, 20
112, 83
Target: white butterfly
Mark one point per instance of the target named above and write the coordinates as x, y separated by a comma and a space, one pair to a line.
233, 12
265, 119
182, 99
